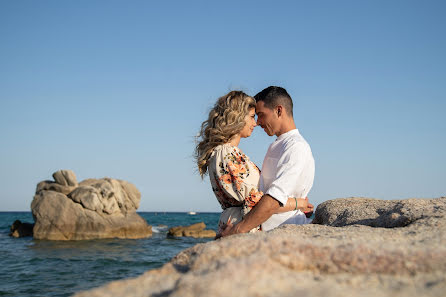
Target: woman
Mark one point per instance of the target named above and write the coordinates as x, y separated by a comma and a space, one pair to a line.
234, 178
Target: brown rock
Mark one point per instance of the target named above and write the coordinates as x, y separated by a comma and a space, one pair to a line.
65, 178
97, 208
88, 197
194, 230
200, 233
115, 195
309, 260
132, 194
53, 186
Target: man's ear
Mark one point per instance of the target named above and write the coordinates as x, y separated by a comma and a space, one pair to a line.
279, 110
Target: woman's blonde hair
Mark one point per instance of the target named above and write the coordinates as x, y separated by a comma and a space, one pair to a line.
226, 119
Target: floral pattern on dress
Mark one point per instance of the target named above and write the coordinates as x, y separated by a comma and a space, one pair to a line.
253, 198
224, 199
235, 180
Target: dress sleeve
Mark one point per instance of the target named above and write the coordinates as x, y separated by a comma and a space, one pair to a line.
238, 177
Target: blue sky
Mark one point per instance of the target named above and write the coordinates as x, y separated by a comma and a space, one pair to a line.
120, 88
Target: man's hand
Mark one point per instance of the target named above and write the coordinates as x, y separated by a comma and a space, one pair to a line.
262, 211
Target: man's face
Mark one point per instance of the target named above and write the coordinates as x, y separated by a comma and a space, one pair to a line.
266, 118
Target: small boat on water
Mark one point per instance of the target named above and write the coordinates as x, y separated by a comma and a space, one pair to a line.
192, 213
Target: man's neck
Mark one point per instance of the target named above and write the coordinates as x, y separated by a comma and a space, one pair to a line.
286, 127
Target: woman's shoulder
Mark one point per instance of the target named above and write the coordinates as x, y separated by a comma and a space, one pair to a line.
224, 151
225, 148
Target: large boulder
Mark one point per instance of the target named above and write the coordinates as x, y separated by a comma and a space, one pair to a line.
375, 212
195, 230
95, 208
309, 260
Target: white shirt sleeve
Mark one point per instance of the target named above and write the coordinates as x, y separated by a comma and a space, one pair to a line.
289, 167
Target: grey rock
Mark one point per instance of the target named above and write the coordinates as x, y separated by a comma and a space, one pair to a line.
65, 178
97, 208
377, 213
312, 260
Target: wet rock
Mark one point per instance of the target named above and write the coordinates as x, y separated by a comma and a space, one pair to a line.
195, 230
19, 229
94, 208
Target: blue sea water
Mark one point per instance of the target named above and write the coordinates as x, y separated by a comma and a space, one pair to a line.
31, 267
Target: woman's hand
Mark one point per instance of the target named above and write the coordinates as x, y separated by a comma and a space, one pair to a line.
227, 229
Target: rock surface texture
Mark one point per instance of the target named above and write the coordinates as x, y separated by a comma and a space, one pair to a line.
195, 230
94, 208
345, 257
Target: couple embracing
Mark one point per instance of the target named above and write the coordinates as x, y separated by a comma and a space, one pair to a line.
254, 200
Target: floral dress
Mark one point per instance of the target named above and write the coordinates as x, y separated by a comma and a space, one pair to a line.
235, 182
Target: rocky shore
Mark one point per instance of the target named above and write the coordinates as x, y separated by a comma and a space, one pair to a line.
357, 247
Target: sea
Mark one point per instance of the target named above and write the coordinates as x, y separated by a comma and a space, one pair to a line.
31, 267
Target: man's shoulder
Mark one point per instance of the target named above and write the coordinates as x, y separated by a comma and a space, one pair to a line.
297, 148
295, 143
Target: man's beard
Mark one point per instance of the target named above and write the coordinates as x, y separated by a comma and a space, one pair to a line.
268, 130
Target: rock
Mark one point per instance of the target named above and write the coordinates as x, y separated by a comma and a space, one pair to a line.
94, 208
116, 194
65, 178
310, 260
87, 196
376, 213
48, 185
200, 234
194, 230
131, 193
19, 229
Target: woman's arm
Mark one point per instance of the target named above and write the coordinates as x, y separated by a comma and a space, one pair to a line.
296, 203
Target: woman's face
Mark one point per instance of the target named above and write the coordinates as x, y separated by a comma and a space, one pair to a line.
250, 123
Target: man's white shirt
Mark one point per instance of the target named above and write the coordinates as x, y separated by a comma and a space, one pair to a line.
287, 172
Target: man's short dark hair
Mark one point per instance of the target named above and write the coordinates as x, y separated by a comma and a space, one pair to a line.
273, 96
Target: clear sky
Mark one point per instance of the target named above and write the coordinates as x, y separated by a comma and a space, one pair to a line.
120, 88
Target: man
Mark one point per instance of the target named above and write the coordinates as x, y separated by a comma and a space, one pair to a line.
288, 167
